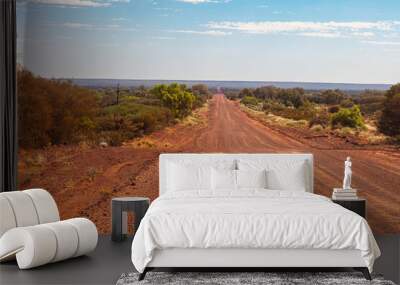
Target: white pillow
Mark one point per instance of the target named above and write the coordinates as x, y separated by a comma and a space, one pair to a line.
184, 178
251, 178
215, 163
223, 179
290, 175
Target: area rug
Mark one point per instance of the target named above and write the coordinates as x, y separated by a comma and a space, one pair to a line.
268, 278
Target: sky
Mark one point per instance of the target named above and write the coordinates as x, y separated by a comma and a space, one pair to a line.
342, 41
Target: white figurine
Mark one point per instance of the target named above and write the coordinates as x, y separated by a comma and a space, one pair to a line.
347, 174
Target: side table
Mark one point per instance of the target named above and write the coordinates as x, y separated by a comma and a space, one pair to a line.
357, 206
119, 208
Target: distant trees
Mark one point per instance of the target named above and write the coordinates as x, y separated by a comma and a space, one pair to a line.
370, 101
53, 112
329, 97
201, 92
290, 97
176, 97
246, 92
389, 122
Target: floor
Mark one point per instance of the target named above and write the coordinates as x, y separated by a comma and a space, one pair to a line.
110, 260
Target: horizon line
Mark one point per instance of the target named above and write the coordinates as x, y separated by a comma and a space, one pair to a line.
215, 80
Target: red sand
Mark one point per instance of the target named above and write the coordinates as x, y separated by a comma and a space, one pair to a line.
83, 181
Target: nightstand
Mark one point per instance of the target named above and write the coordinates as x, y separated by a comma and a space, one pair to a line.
358, 206
119, 208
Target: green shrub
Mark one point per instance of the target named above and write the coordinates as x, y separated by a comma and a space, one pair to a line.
132, 120
304, 112
346, 117
273, 106
249, 101
176, 97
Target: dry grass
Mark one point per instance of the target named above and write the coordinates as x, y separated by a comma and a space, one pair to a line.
105, 191
143, 142
91, 173
317, 128
195, 118
273, 119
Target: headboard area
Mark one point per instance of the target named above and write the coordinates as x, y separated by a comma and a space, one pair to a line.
233, 159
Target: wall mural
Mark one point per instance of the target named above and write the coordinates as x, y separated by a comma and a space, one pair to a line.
105, 86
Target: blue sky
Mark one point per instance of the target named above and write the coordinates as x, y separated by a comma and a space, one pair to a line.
269, 40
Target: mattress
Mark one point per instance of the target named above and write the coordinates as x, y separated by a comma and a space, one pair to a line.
250, 219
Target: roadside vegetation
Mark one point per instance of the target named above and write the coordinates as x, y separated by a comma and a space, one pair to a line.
371, 116
56, 112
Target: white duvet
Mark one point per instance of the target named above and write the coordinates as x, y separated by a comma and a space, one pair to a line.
250, 219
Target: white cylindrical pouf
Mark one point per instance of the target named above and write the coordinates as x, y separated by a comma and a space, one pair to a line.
67, 240
87, 234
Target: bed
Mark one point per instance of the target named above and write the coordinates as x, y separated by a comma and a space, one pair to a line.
247, 210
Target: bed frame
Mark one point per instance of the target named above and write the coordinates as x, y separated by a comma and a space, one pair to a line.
246, 258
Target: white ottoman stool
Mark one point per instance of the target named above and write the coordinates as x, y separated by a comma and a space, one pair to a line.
31, 232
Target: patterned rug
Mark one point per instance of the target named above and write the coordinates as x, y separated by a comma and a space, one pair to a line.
269, 278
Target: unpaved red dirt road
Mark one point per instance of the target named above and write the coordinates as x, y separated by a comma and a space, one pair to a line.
133, 170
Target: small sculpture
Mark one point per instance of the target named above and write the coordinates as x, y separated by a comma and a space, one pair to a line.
347, 174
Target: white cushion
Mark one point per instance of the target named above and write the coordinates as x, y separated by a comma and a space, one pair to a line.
281, 174
67, 240
87, 235
46, 207
7, 218
23, 208
182, 177
252, 178
223, 179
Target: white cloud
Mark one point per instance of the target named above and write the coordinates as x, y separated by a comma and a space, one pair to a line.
270, 27
73, 3
383, 43
322, 35
80, 3
203, 1
78, 25
120, 19
195, 1
163, 38
206, 33
330, 29
94, 27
